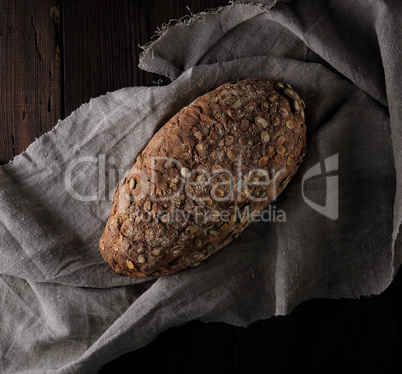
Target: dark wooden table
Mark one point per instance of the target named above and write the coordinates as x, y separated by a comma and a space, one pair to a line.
56, 55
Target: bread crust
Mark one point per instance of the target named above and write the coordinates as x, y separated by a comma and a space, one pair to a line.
231, 151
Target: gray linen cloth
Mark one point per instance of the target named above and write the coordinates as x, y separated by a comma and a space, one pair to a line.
63, 310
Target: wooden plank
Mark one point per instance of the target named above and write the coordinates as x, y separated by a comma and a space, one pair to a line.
193, 348
320, 336
30, 73
101, 43
101, 54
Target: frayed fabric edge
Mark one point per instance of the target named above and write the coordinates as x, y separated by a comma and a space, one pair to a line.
188, 19
160, 32
42, 138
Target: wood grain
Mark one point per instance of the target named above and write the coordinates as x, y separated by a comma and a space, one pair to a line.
30, 73
48, 68
102, 42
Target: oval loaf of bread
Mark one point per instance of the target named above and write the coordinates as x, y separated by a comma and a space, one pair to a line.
204, 176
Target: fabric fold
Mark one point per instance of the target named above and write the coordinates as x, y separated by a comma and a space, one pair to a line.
332, 233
